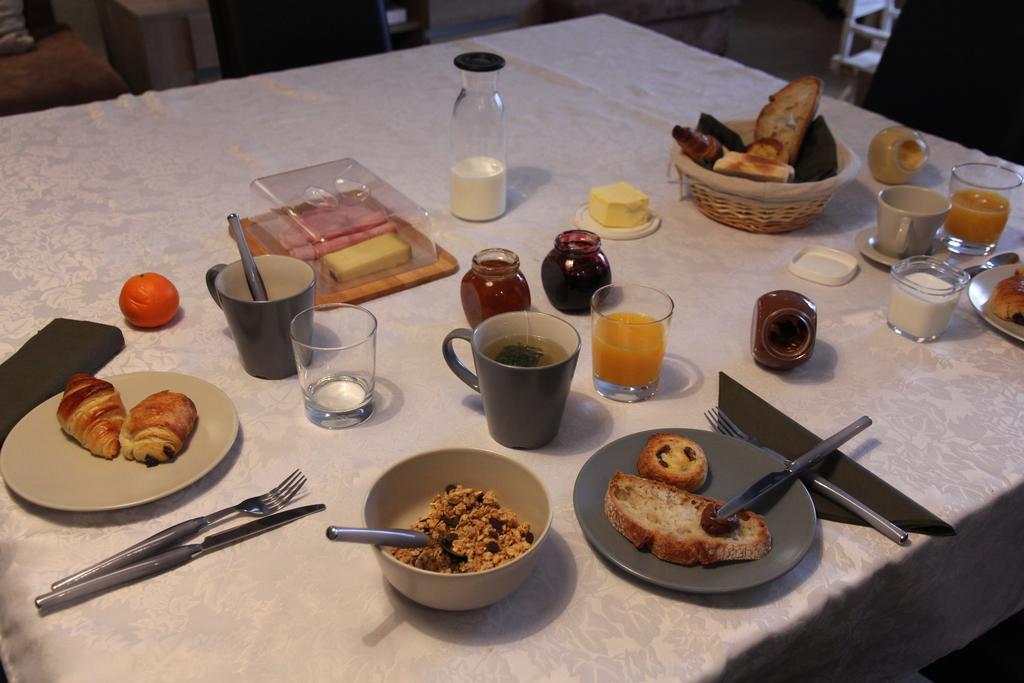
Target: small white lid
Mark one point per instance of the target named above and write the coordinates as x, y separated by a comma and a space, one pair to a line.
824, 265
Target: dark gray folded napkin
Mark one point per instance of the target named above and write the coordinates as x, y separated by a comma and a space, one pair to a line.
778, 432
41, 367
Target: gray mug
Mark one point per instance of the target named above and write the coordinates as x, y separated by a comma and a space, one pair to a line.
261, 328
523, 405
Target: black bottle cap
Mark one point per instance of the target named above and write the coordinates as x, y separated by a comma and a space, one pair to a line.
479, 61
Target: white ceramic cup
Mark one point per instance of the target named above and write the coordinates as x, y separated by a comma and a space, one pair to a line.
908, 219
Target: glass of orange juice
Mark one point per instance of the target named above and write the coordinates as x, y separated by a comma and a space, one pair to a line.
981, 195
630, 331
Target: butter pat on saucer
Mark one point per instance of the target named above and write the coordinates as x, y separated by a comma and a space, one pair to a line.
753, 168
371, 256
619, 205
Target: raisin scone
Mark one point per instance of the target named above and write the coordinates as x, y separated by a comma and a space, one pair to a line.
675, 460
679, 527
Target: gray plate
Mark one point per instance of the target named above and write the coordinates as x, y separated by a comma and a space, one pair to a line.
732, 465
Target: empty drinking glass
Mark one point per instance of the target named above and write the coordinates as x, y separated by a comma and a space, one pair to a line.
335, 353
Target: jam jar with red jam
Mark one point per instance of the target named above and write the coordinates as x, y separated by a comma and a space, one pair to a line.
574, 270
493, 285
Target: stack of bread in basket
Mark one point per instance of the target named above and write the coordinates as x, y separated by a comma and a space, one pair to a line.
772, 174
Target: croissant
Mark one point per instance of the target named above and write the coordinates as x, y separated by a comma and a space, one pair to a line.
91, 411
157, 428
700, 147
1007, 300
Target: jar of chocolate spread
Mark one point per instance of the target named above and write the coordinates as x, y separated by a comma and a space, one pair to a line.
783, 329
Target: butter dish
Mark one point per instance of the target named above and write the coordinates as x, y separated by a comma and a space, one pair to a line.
823, 265
584, 221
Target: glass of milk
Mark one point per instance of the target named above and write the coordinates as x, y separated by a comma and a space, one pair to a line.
923, 296
478, 182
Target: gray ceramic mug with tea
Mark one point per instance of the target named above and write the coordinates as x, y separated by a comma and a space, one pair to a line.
261, 329
523, 404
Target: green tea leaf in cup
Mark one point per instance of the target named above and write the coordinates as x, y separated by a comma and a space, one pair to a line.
520, 355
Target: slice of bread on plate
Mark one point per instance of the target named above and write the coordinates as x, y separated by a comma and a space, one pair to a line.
675, 460
788, 114
666, 521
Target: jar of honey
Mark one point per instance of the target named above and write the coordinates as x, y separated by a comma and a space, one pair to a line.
574, 270
494, 284
896, 154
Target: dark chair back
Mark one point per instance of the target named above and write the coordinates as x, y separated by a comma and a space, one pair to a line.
256, 36
952, 68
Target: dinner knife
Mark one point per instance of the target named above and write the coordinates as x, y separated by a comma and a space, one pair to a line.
774, 479
170, 559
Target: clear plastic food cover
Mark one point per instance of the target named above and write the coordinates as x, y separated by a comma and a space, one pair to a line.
314, 212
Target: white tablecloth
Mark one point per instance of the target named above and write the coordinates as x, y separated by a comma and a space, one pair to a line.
92, 194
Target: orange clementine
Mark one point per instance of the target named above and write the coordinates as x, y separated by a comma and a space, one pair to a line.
148, 300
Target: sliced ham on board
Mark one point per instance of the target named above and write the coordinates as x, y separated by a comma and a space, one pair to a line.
328, 223
309, 252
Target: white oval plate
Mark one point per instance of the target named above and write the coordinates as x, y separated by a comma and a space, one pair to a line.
42, 464
980, 291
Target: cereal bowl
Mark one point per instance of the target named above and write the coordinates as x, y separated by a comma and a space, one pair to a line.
402, 495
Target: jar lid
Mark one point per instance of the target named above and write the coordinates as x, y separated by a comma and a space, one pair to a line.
479, 61
824, 265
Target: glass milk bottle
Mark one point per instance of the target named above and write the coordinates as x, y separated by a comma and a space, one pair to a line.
478, 140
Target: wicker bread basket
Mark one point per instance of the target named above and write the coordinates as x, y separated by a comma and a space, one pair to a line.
761, 206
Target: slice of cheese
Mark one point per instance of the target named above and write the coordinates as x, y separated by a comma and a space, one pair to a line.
619, 205
371, 256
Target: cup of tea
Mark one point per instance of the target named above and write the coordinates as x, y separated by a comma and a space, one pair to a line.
981, 195
524, 364
908, 219
261, 328
630, 332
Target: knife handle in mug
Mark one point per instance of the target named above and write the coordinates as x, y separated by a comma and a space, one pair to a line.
139, 551
175, 557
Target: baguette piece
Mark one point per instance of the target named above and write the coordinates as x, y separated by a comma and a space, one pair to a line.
664, 520
675, 460
767, 148
788, 114
753, 168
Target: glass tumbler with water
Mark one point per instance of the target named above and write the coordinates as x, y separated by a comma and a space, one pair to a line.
335, 354
478, 182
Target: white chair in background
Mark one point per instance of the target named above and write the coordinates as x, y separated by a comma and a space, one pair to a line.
882, 14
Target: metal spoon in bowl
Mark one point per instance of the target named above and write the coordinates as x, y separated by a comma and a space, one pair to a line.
997, 260
396, 538
252, 273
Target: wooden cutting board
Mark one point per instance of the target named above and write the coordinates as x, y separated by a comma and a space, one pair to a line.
386, 284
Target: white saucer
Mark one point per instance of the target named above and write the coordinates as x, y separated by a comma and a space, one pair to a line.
583, 220
865, 241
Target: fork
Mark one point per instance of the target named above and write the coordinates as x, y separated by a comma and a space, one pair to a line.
724, 425
271, 501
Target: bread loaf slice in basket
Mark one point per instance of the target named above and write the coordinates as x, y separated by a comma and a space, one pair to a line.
666, 521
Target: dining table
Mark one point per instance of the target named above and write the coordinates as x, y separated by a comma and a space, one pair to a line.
93, 194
